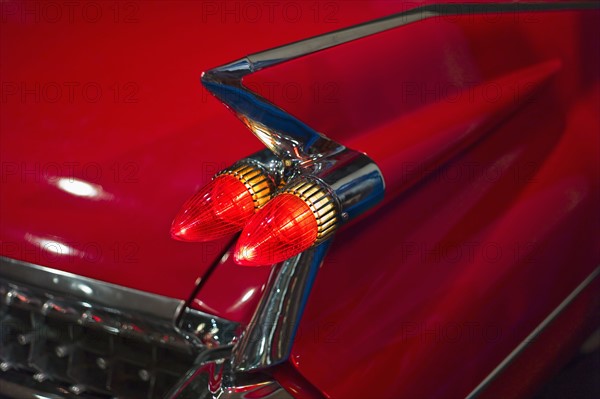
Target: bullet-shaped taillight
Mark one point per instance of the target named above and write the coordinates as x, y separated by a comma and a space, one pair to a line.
223, 206
302, 215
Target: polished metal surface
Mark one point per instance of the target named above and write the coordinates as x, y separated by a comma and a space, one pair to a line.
272, 165
55, 337
268, 338
207, 331
286, 136
213, 377
84, 347
86, 289
480, 388
355, 180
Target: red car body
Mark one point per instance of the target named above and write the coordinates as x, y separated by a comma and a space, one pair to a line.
485, 126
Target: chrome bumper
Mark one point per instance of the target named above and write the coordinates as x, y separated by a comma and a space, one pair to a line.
65, 335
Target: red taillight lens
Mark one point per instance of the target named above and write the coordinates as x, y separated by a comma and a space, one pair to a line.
285, 227
290, 223
223, 206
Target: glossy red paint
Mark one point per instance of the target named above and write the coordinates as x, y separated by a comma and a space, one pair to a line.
459, 122
491, 219
478, 246
245, 286
106, 130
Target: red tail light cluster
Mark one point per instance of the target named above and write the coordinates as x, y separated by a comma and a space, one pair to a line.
303, 214
223, 206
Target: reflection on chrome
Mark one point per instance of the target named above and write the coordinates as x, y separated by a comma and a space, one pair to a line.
269, 337
64, 329
213, 377
85, 289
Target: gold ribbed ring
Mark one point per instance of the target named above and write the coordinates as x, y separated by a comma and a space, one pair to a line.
259, 184
321, 203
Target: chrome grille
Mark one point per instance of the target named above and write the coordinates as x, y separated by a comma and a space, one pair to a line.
88, 349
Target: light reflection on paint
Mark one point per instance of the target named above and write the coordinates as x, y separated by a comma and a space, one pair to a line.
81, 188
224, 258
245, 298
247, 295
77, 187
52, 246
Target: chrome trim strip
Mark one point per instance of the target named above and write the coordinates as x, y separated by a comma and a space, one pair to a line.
269, 337
286, 136
83, 288
533, 335
277, 55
